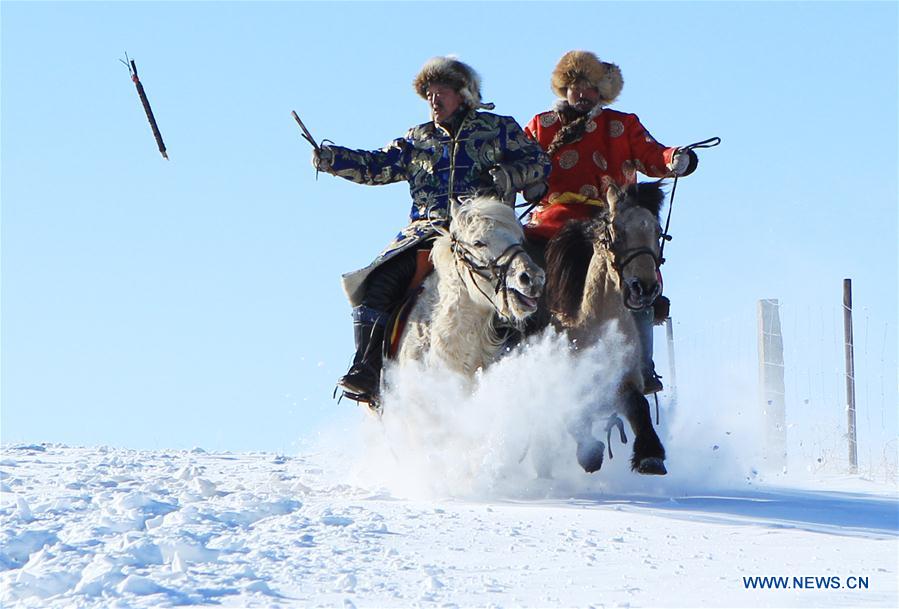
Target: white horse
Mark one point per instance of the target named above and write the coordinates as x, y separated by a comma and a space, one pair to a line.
482, 274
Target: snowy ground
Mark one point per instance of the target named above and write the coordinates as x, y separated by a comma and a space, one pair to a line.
102, 527
438, 504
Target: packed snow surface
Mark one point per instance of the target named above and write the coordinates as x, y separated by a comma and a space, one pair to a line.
102, 527
462, 494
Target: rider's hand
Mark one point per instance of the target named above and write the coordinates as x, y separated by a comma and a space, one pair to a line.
322, 158
683, 162
502, 182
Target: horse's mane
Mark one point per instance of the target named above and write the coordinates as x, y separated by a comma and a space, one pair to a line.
495, 211
648, 195
567, 260
490, 209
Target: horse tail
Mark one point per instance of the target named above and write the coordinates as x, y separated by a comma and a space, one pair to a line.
648, 195
567, 260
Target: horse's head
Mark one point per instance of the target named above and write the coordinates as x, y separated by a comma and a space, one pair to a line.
635, 233
485, 239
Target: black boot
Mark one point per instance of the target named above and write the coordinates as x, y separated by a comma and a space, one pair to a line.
384, 289
364, 377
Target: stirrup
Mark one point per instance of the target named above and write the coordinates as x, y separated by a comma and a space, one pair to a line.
360, 398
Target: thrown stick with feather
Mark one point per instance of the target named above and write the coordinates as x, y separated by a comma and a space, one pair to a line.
132, 68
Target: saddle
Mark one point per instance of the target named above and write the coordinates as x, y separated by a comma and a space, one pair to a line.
397, 322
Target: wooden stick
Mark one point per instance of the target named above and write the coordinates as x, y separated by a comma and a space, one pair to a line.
306, 135
850, 375
149, 111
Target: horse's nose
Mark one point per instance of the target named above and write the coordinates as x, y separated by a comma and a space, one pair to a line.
635, 286
524, 279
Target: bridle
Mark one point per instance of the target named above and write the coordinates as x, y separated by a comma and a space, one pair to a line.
494, 270
622, 258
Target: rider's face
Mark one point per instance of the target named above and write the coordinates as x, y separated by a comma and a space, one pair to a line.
443, 100
582, 96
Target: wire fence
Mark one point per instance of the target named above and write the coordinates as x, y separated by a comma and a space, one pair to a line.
718, 375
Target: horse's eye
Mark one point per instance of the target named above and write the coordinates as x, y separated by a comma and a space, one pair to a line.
479, 244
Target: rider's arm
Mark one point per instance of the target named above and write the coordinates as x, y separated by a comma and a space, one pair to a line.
654, 157
384, 166
523, 158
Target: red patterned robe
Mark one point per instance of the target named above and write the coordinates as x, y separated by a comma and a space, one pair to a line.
614, 148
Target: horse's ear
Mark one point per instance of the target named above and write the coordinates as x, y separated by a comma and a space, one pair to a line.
454, 208
457, 212
614, 197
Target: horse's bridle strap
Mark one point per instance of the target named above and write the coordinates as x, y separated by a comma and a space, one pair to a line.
628, 256
493, 270
490, 269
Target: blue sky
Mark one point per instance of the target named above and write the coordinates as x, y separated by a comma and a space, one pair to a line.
196, 301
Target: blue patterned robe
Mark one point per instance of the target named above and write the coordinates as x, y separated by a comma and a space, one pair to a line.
438, 168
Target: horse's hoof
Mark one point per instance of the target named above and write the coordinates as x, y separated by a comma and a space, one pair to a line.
589, 455
651, 466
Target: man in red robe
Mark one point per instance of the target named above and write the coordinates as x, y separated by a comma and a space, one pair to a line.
591, 147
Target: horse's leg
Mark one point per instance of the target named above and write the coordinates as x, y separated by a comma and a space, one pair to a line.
589, 449
649, 454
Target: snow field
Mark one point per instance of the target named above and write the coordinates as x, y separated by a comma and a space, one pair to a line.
100, 527
460, 495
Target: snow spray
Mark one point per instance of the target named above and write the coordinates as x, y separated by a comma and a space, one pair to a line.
504, 433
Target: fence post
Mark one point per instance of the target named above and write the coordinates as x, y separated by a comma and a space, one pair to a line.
771, 382
850, 375
669, 332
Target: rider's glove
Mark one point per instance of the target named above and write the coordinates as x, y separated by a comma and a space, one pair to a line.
683, 163
502, 182
322, 158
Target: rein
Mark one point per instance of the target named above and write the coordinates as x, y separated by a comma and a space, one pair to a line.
666, 236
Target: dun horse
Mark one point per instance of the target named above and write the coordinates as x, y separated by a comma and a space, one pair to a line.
598, 272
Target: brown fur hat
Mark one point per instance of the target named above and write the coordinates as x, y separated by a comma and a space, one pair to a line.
452, 72
584, 65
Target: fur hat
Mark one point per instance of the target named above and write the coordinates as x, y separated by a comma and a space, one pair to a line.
585, 66
452, 72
